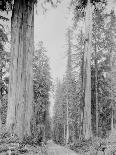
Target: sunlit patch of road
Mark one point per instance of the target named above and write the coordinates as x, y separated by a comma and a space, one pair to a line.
54, 149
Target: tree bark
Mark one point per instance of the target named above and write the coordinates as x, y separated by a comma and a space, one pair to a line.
112, 82
96, 90
87, 72
69, 68
64, 134
82, 91
67, 123
0, 89
20, 95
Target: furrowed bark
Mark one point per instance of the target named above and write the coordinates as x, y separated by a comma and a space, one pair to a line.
20, 95
87, 72
96, 91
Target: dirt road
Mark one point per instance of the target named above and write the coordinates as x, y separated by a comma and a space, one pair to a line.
54, 149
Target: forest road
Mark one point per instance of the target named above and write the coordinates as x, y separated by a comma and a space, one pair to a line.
54, 149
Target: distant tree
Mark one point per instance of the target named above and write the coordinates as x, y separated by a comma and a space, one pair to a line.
59, 121
67, 98
3, 40
42, 85
3, 86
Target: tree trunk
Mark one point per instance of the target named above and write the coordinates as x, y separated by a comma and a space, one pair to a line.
0, 89
87, 72
112, 123
20, 95
82, 92
64, 134
69, 68
67, 123
96, 90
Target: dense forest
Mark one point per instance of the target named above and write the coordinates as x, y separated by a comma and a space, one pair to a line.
85, 102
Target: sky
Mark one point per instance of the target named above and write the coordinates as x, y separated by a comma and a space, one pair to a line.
51, 29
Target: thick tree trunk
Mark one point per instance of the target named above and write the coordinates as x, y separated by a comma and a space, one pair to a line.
87, 72
20, 95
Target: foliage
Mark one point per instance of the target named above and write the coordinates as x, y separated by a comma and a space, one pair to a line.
4, 61
58, 119
79, 8
41, 87
67, 91
103, 43
7, 5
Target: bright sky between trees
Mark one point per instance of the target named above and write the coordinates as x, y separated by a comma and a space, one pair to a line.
51, 29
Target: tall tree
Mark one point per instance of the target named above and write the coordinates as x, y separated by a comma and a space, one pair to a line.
102, 43
59, 120
20, 95
96, 91
68, 75
21, 80
111, 31
84, 8
3, 39
77, 71
87, 72
42, 85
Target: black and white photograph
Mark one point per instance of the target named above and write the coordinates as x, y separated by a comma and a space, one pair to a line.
57, 77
